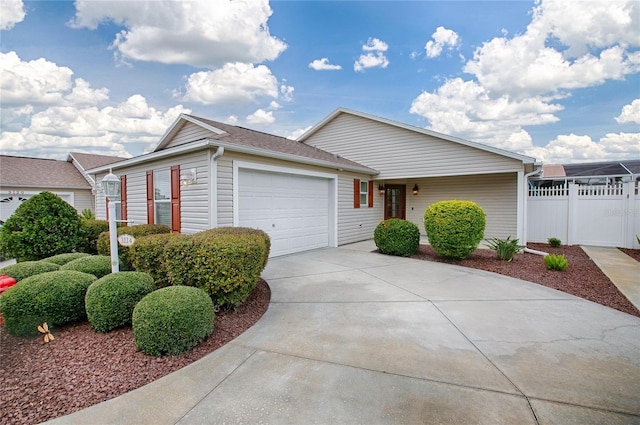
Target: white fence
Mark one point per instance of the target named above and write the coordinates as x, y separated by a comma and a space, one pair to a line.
587, 215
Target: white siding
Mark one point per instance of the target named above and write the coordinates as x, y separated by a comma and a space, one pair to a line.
356, 224
194, 198
401, 153
83, 199
189, 133
496, 194
80, 199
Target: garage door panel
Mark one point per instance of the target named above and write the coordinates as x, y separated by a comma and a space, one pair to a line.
292, 209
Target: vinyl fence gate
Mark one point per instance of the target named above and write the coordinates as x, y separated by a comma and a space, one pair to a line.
602, 215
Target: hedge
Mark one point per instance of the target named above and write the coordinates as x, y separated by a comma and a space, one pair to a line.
397, 237
110, 300
172, 320
147, 255
97, 265
454, 228
20, 271
62, 259
54, 297
241, 231
92, 229
135, 231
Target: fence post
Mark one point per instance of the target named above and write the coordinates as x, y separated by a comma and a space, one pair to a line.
571, 215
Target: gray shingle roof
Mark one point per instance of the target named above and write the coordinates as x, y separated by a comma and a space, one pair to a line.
39, 172
251, 138
88, 161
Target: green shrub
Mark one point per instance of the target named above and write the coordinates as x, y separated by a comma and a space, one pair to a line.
505, 249
135, 231
20, 271
91, 230
147, 255
97, 265
110, 300
397, 237
241, 231
556, 262
87, 214
62, 259
42, 226
226, 266
172, 320
54, 297
555, 242
454, 228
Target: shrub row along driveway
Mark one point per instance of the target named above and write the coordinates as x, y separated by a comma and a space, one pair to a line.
353, 336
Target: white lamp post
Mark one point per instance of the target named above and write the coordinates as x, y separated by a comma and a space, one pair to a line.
111, 187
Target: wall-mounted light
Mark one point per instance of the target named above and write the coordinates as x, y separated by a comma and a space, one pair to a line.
188, 177
415, 189
381, 189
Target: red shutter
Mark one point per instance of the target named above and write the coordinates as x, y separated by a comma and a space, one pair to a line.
370, 193
106, 205
356, 193
150, 197
123, 198
175, 199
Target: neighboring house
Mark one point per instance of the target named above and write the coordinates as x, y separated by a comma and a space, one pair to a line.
23, 177
588, 173
307, 194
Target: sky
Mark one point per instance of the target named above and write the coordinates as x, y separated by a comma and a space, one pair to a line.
557, 80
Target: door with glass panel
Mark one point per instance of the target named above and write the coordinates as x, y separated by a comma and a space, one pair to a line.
394, 201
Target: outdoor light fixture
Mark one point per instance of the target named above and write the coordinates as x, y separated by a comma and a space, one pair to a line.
188, 177
415, 189
381, 189
111, 187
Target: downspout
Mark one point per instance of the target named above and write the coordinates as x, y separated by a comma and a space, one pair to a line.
213, 187
524, 212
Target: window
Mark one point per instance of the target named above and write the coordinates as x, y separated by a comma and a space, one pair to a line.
162, 197
364, 193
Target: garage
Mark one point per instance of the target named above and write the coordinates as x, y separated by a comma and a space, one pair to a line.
12, 199
294, 209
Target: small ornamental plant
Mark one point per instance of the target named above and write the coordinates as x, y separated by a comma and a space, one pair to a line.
555, 242
556, 262
397, 237
505, 249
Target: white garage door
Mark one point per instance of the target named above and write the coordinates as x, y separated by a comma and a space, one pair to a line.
10, 201
292, 209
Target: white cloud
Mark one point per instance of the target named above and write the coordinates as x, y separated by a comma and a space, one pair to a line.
235, 83
274, 105
324, 65
232, 119
518, 81
286, 92
12, 13
572, 148
441, 38
261, 117
374, 58
198, 33
297, 133
44, 109
630, 113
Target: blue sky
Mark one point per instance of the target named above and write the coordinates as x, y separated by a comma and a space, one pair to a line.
557, 80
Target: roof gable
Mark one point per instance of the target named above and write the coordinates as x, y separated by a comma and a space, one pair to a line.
523, 158
87, 161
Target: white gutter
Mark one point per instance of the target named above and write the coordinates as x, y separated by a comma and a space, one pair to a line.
524, 212
213, 188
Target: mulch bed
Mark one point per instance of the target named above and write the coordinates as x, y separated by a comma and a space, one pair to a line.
633, 253
81, 367
583, 278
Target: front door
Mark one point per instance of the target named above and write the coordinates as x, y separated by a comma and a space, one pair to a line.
394, 201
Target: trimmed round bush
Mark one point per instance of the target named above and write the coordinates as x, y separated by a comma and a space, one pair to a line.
454, 228
92, 229
54, 297
397, 237
97, 265
172, 320
241, 231
20, 271
147, 255
137, 231
42, 226
62, 259
226, 266
110, 300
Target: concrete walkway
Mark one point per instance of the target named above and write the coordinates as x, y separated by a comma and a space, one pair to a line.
621, 269
357, 337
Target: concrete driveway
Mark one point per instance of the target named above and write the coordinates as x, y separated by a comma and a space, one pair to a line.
357, 337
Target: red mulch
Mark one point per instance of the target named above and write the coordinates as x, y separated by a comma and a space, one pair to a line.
633, 253
583, 278
81, 367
